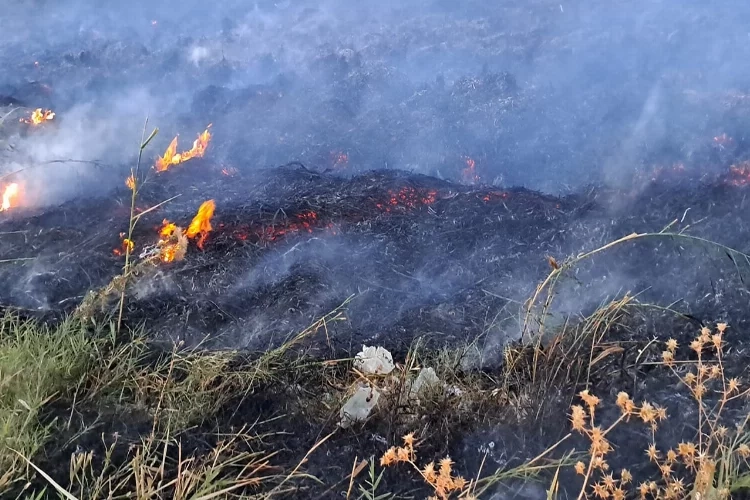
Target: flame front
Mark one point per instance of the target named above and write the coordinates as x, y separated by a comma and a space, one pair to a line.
201, 224
39, 116
10, 193
172, 157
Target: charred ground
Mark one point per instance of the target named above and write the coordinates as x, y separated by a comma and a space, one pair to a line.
411, 130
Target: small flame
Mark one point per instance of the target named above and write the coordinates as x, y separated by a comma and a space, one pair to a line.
127, 247
10, 193
469, 173
172, 157
172, 243
201, 223
38, 116
229, 171
130, 182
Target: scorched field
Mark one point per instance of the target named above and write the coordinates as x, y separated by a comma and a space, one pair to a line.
314, 249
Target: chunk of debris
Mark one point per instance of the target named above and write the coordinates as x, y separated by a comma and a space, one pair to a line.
426, 380
374, 361
358, 407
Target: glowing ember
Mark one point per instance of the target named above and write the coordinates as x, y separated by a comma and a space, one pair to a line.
739, 175
469, 174
38, 116
172, 157
10, 195
172, 244
201, 224
229, 171
308, 221
130, 182
340, 159
408, 197
495, 195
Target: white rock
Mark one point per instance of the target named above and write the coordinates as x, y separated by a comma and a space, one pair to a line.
374, 361
358, 407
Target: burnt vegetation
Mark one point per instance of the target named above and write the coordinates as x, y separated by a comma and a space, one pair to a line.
535, 211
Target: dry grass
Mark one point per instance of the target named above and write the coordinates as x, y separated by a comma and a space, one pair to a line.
713, 465
176, 390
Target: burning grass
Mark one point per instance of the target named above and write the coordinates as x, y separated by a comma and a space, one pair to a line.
38, 116
171, 157
131, 417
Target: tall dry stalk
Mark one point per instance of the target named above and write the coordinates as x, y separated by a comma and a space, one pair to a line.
134, 173
548, 285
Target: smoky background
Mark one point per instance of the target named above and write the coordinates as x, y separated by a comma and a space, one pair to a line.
548, 95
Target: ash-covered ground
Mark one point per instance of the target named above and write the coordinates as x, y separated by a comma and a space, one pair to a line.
422, 257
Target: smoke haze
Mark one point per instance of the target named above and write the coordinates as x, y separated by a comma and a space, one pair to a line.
550, 96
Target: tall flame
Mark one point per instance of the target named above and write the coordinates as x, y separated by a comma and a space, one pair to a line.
172, 157
38, 116
201, 223
165, 161
10, 193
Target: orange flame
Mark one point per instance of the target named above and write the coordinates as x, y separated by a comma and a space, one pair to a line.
10, 193
167, 229
130, 182
38, 116
172, 244
127, 247
165, 161
201, 223
172, 157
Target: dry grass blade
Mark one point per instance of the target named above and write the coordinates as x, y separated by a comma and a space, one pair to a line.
304, 459
151, 209
356, 470
606, 352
